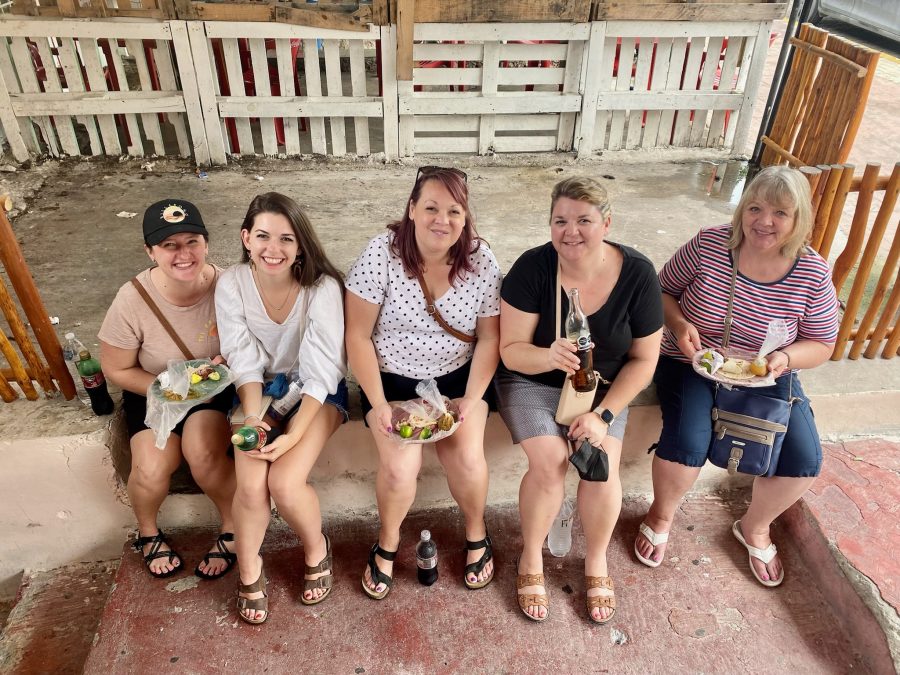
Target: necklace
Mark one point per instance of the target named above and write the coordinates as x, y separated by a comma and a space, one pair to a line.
262, 294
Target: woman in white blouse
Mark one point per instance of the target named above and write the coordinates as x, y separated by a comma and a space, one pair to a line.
278, 325
394, 341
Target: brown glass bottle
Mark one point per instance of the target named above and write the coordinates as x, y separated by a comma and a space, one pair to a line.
578, 331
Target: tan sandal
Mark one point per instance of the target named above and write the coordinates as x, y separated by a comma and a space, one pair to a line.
527, 600
256, 604
324, 581
600, 600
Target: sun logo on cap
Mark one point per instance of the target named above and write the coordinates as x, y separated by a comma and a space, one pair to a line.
174, 213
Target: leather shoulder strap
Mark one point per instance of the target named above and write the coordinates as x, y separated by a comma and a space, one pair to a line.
162, 319
433, 312
729, 312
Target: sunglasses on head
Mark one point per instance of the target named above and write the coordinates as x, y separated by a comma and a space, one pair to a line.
428, 171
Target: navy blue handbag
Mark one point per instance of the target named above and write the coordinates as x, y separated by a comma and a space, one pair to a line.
748, 430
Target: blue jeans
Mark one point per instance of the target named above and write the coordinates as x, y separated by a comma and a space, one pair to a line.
686, 400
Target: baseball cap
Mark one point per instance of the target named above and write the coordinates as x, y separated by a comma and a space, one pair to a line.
171, 216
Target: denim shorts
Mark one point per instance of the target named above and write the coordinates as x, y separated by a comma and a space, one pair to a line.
686, 400
339, 400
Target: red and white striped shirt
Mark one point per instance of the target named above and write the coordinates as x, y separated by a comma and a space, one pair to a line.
699, 276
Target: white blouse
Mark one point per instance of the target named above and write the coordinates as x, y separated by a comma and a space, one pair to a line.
308, 346
407, 340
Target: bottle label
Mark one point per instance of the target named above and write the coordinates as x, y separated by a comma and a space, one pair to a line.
583, 343
426, 563
282, 406
93, 381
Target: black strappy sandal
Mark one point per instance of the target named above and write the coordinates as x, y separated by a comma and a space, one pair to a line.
157, 540
223, 552
378, 576
476, 567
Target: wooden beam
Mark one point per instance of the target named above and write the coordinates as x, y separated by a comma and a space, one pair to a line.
837, 59
357, 21
694, 11
405, 27
492, 11
381, 15
221, 11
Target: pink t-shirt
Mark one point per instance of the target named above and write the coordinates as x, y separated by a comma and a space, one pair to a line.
131, 324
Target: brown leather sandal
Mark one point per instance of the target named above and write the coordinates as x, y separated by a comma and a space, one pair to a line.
600, 600
527, 600
256, 604
324, 581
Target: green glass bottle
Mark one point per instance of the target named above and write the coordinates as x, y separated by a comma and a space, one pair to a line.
249, 438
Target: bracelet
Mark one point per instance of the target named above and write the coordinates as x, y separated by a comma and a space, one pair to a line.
788, 358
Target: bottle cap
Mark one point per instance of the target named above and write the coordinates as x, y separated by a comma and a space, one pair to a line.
70, 336
84, 354
426, 535
237, 439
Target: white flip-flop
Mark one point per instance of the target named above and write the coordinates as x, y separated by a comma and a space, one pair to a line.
763, 554
655, 539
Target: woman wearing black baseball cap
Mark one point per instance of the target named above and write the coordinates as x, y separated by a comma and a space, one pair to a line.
135, 347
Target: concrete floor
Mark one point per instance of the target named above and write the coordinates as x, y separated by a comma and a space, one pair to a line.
64, 505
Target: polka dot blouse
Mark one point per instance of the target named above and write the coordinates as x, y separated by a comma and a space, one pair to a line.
407, 340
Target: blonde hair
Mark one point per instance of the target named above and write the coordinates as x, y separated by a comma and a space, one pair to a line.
785, 187
582, 189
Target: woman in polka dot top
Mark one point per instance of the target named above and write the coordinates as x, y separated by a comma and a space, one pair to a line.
393, 342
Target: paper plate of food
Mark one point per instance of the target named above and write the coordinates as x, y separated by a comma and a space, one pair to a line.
733, 366
195, 380
420, 421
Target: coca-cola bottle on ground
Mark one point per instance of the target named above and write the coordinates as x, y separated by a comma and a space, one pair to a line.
579, 333
426, 559
94, 383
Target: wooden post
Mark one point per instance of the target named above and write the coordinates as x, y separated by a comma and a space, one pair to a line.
21, 280
857, 234
18, 371
865, 264
405, 36
36, 366
823, 212
877, 335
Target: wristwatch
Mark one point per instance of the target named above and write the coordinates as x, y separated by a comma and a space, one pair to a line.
606, 416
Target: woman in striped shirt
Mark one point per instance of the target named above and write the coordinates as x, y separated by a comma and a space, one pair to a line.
778, 277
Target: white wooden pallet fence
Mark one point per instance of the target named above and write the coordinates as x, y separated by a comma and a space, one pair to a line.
43, 112
345, 96
484, 96
685, 84
476, 88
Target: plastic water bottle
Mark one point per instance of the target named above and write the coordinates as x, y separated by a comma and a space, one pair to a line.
559, 541
282, 406
71, 350
426, 559
94, 383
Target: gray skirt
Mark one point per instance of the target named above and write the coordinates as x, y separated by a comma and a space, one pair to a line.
528, 408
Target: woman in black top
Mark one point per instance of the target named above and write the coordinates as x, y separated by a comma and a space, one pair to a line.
620, 295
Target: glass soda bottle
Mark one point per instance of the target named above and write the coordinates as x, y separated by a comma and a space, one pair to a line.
249, 438
426, 559
579, 334
94, 383
71, 349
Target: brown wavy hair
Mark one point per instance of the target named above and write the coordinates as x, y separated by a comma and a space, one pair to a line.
311, 262
404, 242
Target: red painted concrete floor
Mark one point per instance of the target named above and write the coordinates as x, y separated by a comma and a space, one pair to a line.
701, 611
